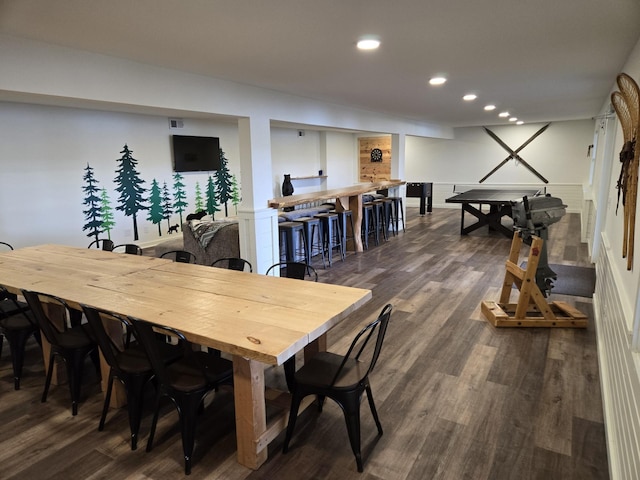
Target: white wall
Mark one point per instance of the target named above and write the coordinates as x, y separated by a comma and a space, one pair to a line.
559, 154
44, 151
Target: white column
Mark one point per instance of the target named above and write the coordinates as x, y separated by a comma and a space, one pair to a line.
398, 144
258, 224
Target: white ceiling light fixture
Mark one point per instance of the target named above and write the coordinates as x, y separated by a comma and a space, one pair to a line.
519, 122
469, 97
369, 42
489, 108
503, 114
513, 119
437, 80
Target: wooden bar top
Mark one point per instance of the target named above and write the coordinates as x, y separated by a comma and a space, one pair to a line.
358, 189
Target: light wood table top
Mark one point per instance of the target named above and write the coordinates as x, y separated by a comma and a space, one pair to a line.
257, 319
354, 190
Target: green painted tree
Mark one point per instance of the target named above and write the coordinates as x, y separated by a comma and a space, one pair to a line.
108, 221
92, 201
167, 208
199, 201
236, 197
212, 203
223, 183
129, 186
156, 212
179, 195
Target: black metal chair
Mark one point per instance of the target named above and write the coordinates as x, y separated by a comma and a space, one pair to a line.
343, 379
130, 248
17, 325
72, 344
186, 382
127, 360
102, 243
297, 270
233, 263
181, 256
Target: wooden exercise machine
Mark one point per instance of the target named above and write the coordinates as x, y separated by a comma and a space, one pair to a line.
532, 310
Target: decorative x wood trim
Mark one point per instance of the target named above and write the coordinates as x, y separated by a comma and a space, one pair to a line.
515, 153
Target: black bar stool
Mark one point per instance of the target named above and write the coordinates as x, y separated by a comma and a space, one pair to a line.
342, 218
294, 241
312, 230
398, 212
378, 213
331, 234
369, 224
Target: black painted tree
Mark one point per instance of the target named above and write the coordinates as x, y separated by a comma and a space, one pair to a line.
223, 183
212, 203
92, 214
129, 186
167, 208
156, 212
179, 195
108, 221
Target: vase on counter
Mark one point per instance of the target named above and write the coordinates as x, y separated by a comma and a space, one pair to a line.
287, 186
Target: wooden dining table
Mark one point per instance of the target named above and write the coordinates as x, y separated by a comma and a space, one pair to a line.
257, 320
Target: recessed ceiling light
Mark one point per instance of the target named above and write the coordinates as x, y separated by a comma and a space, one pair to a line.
368, 43
437, 80
503, 114
513, 119
488, 108
519, 122
469, 97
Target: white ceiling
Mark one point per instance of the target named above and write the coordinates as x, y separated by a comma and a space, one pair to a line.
543, 60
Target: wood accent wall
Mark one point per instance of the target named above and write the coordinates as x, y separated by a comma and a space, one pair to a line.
374, 171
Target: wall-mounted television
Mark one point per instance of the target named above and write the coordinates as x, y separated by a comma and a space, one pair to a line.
195, 154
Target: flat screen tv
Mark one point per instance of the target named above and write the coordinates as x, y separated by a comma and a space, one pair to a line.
195, 154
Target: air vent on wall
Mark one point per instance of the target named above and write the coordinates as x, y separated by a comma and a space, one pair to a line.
176, 123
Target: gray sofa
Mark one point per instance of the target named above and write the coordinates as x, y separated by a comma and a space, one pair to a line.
223, 242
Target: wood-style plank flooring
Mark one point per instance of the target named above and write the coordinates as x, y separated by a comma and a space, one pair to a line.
457, 398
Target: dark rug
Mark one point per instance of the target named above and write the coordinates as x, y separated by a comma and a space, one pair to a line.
575, 281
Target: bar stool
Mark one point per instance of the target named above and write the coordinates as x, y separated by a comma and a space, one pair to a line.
387, 213
398, 211
312, 230
331, 234
379, 214
369, 224
293, 234
342, 217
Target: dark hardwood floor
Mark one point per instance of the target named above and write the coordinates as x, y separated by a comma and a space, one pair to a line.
457, 398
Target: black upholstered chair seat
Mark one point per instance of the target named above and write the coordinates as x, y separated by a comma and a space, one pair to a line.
187, 376
322, 368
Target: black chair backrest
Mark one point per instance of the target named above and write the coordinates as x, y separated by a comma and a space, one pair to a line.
109, 343
146, 333
361, 341
50, 330
297, 270
233, 263
181, 256
7, 245
107, 245
130, 248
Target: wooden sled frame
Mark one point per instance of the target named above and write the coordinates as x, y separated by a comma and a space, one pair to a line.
532, 310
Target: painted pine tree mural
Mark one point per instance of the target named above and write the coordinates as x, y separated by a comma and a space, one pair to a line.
156, 212
179, 195
199, 201
212, 203
235, 193
167, 208
129, 186
108, 221
92, 214
223, 183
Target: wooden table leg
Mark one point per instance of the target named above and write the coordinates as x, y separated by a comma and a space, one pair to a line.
353, 203
251, 418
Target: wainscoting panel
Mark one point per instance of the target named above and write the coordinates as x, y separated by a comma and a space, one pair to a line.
619, 376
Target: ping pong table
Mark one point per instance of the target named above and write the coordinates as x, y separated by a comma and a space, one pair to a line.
499, 202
